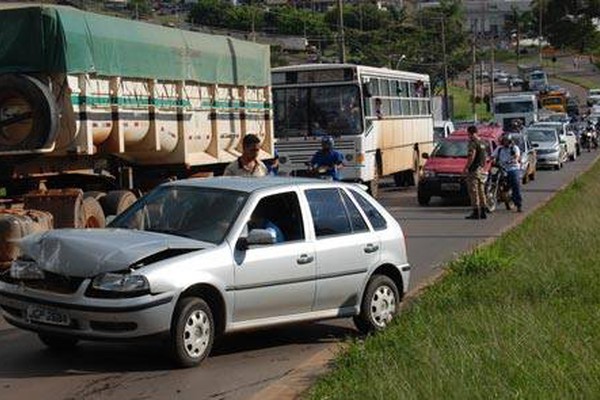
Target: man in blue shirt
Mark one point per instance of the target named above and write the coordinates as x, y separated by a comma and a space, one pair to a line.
328, 158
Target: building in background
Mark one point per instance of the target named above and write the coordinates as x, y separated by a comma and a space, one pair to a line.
486, 17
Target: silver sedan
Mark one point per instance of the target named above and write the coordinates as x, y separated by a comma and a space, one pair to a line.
195, 259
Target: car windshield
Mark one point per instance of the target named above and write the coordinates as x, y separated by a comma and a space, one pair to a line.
451, 148
539, 135
518, 140
537, 76
317, 111
438, 133
198, 213
514, 107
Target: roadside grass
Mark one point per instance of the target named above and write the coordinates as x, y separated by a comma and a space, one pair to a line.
519, 318
462, 105
587, 82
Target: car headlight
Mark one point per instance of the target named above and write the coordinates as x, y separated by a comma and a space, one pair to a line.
119, 285
428, 173
22, 268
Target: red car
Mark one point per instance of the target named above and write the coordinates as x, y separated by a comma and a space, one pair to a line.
443, 171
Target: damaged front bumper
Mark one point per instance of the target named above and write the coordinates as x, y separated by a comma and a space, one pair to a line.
84, 317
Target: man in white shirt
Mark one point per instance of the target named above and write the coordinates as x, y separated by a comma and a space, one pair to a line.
508, 156
248, 163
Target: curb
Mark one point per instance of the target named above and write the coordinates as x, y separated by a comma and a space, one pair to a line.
302, 377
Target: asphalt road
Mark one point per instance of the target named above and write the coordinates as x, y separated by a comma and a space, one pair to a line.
243, 365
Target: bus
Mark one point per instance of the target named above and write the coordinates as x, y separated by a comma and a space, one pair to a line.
380, 118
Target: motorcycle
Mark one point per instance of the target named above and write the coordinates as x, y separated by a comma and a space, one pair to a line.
497, 189
321, 172
589, 139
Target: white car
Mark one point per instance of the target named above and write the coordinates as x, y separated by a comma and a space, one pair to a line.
593, 97
566, 135
198, 258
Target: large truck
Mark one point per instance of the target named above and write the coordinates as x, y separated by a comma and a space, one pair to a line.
103, 105
534, 77
511, 107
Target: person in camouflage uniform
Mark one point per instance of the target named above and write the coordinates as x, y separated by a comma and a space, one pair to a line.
475, 174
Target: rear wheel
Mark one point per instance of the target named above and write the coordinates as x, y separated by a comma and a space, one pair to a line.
192, 332
379, 305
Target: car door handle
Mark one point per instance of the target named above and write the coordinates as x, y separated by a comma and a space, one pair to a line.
305, 259
371, 248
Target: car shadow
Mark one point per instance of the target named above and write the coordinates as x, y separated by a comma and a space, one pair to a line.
30, 358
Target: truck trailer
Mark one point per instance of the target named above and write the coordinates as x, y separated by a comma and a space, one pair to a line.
96, 108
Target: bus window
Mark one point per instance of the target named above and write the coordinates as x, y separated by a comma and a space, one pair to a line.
374, 87
405, 92
405, 105
385, 87
396, 107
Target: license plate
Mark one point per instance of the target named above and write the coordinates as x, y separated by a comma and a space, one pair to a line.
450, 187
47, 315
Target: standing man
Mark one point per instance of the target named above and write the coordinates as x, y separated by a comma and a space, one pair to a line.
248, 163
475, 174
508, 156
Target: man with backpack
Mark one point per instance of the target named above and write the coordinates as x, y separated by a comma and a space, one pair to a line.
508, 157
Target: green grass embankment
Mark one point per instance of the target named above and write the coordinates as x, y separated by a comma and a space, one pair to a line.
517, 319
462, 105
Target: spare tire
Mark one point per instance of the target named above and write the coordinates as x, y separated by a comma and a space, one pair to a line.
29, 117
117, 201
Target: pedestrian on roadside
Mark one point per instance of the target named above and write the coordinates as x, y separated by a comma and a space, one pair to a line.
475, 174
248, 163
508, 157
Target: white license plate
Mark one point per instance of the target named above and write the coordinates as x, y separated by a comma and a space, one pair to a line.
450, 187
47, 316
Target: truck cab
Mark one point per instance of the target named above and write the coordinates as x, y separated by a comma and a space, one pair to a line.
509, 108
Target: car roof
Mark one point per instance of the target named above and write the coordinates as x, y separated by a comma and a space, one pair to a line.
247, 184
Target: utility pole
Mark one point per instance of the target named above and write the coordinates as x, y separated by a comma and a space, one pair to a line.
540, 16
445, 110
473, 79
342, 45
492, 66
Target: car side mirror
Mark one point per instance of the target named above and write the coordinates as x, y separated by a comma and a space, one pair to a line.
425, 155
256, 237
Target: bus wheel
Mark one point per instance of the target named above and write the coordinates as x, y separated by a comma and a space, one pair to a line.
374, 184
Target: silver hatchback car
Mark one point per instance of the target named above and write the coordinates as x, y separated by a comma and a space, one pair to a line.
198, 258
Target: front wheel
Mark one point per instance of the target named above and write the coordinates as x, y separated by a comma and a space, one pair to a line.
192, 332
423, 198
379, 305
491, 196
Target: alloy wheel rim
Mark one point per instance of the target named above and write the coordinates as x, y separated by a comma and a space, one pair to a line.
196, 334
383, 306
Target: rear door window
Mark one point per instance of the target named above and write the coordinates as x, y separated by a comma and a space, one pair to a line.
328, 212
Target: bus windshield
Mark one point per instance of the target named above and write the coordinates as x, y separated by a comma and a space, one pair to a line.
317, 111
514, 107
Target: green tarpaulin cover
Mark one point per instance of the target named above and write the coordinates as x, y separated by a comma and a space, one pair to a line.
63, 39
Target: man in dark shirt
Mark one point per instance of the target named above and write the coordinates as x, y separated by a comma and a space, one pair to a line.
475, 174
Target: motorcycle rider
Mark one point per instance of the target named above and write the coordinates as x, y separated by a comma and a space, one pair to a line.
328, 158
475, 174
508, 157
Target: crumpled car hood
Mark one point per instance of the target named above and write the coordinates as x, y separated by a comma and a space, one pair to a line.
88, 252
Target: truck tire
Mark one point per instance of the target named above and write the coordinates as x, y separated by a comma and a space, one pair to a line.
29, 117
93, 214
117, 201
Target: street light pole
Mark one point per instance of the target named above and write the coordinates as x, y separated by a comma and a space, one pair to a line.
342, 45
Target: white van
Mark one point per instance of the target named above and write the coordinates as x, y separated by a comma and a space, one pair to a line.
509, 108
